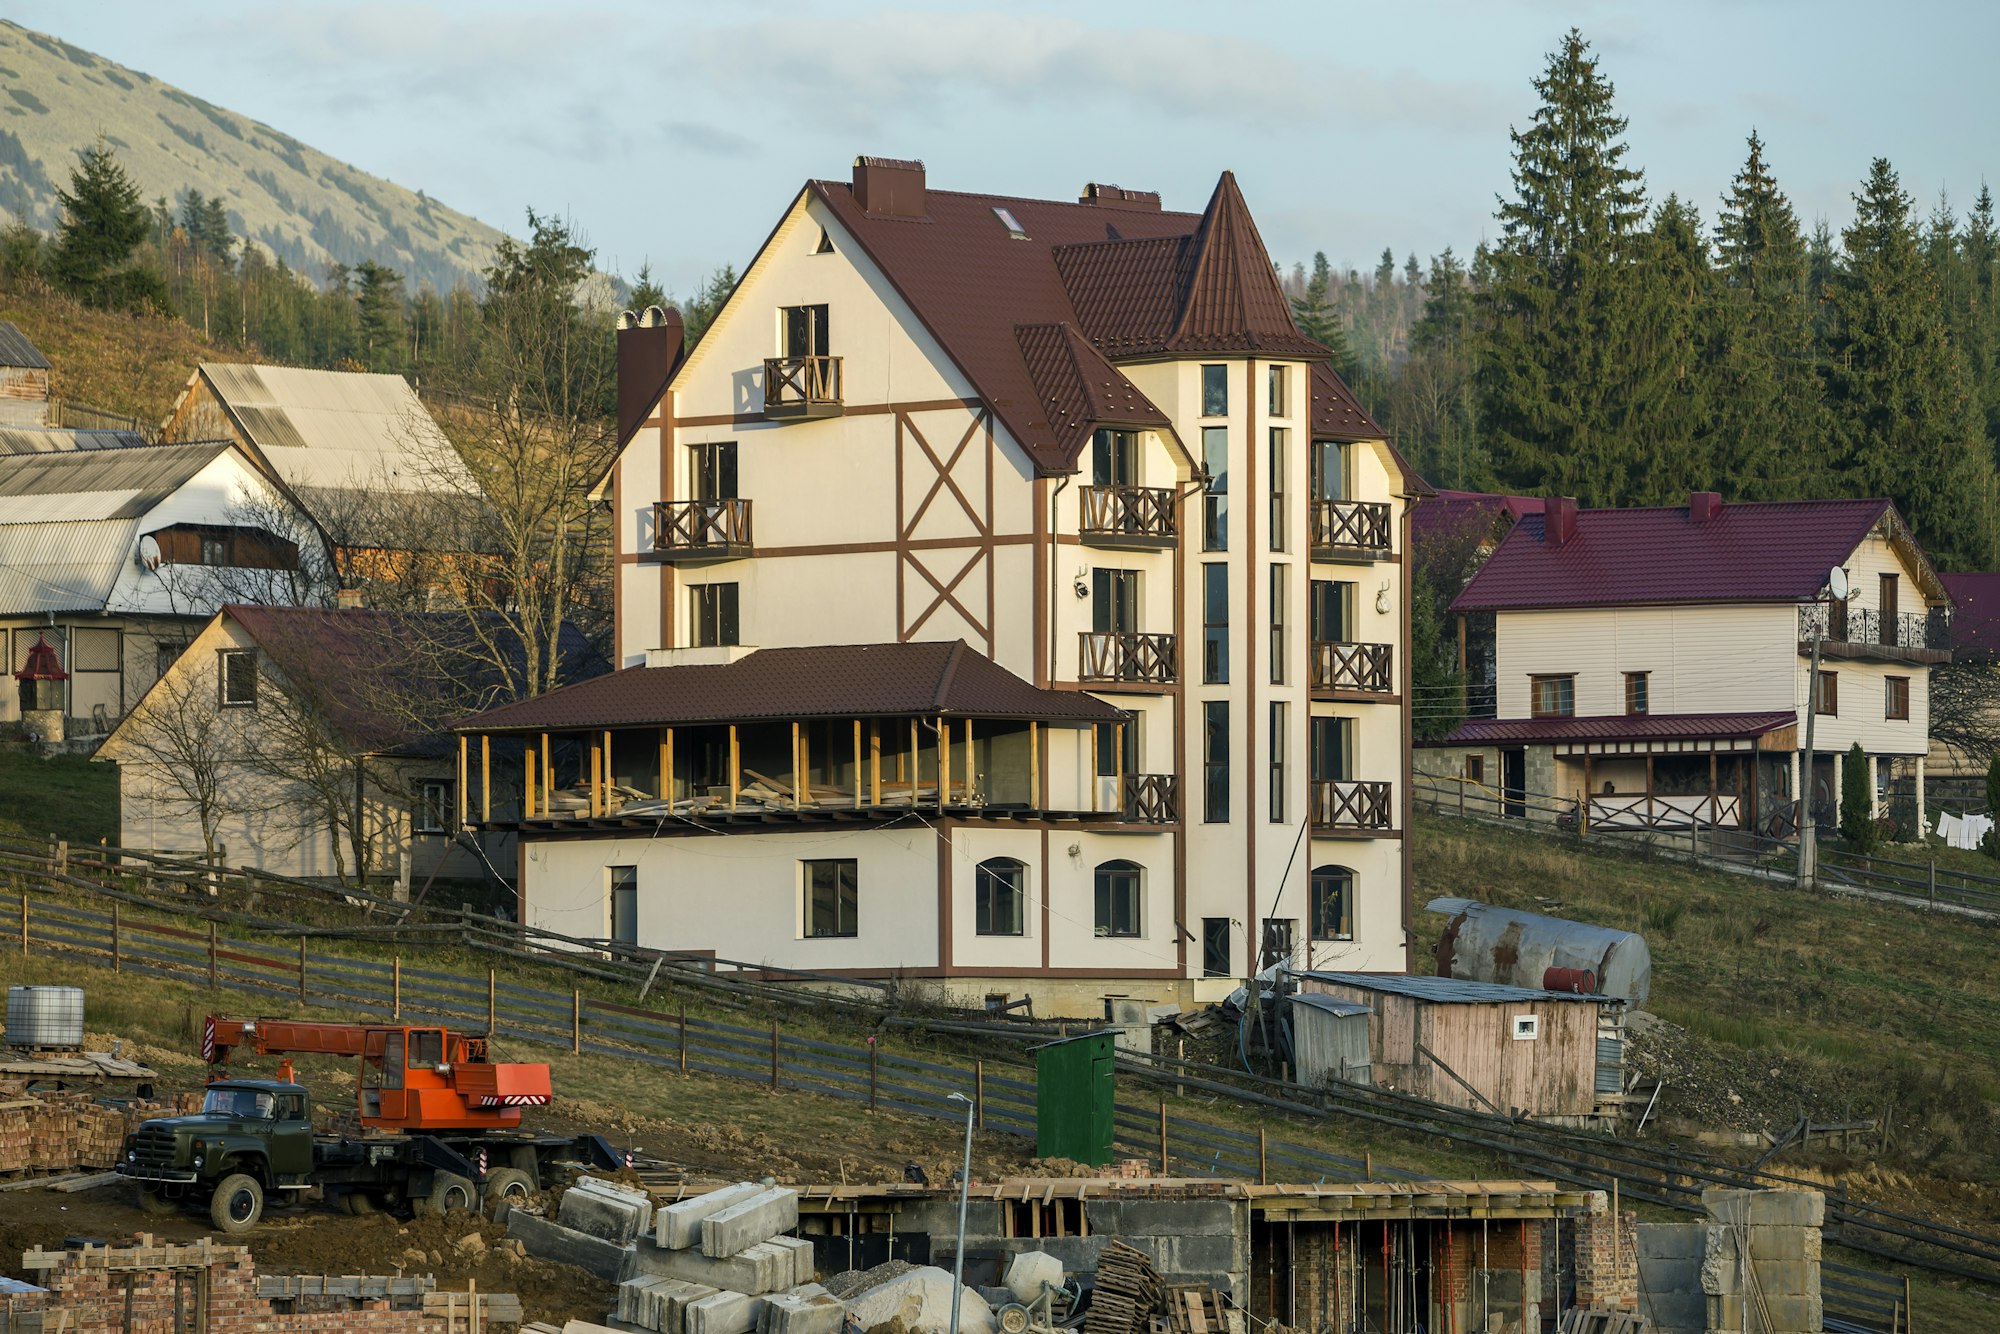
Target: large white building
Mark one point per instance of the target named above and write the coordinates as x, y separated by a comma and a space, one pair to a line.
1013, 597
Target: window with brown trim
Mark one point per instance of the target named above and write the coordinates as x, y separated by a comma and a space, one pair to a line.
1475, 768
1826, 701
1552, 696
1637, 694
1896, 697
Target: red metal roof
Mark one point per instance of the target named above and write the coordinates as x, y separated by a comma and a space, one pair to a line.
1774, 551
1622, 727
921, 680
1077, 389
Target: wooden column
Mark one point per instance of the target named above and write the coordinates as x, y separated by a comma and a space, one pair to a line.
464, 775
1712, 803
1091, 773
1118, 767
529, 780
735, 767
1589, 788
485, 776
795, 766
857, 764
1034, 765
916, 767
874, 763
1649, 788
971, 778
608, 784
548, 775
944, 763
596, 763
666, 783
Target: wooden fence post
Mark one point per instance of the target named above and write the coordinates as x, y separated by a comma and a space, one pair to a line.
302, 969
117, 962
62, 856
979, 1094
1263, 1160
1933, 884
211, 956
774, 1057
576, 1021
872, 1071
1163, 1137
1909, 1316
396, 986
24, 921
684, 1037
492, 1015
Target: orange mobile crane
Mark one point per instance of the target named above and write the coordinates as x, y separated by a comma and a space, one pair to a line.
452, 1116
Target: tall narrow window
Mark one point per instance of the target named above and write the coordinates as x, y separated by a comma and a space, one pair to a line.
803, 332
1216, 947
1280, 939
714, 471
437, 807
1826, 701
1332, 749
1112, 752
214, 549
1896, 697
239, 678
1215, 761
1638, 693
1329, 470
1552, 696
1281, 447
1215, 391
714, 615
1278, 615
1279, 402
1114, 458
1332, 611
1332, 903
1215, 502
999, 893
833, 903
1281, 729
1114, 601
624, 903
1215, 623
1889, 601
1119, 906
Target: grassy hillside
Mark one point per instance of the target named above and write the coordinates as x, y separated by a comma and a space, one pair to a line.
300, 204
136, 365
65, 795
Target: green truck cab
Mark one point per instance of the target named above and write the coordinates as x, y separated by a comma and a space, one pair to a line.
251, 1136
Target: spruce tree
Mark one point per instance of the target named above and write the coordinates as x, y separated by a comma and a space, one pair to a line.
645, 291
1558, 377
1975, 318
104, 221
379, 314
1319, 320
1857, 802
1903, 420
1674, 347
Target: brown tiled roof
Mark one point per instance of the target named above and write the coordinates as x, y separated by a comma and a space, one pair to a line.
1621, 727
1077, 389
1336, 413
1127, 294
919, 680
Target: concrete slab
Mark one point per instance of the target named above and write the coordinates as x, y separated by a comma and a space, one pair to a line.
606, 1209
755, 1270
723, 1313
676, 1305
643, 1300
1765, 1208
749, 1221
678, 1226
552, 1241
802, 1257
807, 1310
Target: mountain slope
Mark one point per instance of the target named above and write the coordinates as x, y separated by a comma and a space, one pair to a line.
300, 204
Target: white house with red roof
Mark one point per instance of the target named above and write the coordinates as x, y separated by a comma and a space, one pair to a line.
1655, 662
1084, 440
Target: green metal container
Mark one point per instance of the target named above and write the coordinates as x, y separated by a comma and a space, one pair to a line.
1074, 1090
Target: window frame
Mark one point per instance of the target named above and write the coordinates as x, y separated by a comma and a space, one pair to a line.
726, 615
446, 807
1115, 457
1565, 685
1333, 739
1115, 590
1638, 694
818, 321
990, 876
1215, 623
1826, 695
712, 472
1337, 883
1108, 880
614, 881
1275, 743
1896, 698
1215, 796
808, 867
1214, 387
224, 657
1475, 769
1215, 496
1280, 595
1279, 454
1278, 391
1108, 757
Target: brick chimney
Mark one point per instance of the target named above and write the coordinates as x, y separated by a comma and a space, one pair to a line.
1114, 196
890, 187
649, 347
1703, 505
1558, 520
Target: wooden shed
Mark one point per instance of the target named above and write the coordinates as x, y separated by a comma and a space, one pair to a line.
24, 380
1483, 1045
1330, 1039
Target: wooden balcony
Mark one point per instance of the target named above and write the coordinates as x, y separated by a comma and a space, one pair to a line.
1129, 518
1366, 670
801, 388
1343, 807
1152, 799
691, 532
1866, 634
1351, 531
1128, 656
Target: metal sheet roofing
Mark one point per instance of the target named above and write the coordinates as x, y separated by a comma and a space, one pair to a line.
1448, 990
1772, 551
99, 483
1621, 727
838, 681
16, 350
1975, 625
54, 440
1333, 1005
338, 428
1077, 389
62, 567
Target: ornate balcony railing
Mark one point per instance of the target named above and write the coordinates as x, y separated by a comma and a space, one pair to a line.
802, 387
1349, 529
1363, 668
1152, 799
1128, 516
1128, 655
1358, 805
1865, 632
701, 529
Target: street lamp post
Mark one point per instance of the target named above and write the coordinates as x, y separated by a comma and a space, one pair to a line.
964, 1201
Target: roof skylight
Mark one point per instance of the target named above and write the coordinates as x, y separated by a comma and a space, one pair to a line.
1014, 228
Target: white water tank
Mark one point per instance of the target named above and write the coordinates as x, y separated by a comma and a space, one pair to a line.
45, 1017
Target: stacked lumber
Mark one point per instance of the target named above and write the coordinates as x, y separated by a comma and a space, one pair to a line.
1128, 1292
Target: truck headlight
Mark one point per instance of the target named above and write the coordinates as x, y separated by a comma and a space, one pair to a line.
197, 1162
131, 1155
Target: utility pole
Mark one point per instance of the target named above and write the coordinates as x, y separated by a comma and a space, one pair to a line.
1808, 825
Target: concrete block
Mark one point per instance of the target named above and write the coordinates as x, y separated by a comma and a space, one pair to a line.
749, 1221
1129, 1219
1765, 1208
606, 1209
802, 1258
648, 1301
1671, 1241
1787, 1278
552, 1241
755, 1270
1188, 1258
807, 1310
723, 1313
678, 1226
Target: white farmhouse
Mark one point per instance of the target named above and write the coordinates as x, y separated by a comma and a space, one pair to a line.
1007, 594
1656, 663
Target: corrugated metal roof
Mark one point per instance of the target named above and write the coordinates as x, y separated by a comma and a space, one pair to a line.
836, 681
16, 350
55, 440
62, 567
339, 428
1077, 389
1621, 727
99, 483
1333, 1005
1448, 990
1760, 551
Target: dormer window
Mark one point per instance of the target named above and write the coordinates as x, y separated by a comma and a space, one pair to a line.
825, 245
1011, 223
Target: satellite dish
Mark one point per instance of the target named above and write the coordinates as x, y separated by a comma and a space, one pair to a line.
149, 553
1836, 584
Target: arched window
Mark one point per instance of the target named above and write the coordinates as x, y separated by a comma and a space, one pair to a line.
1332, 903
999, 897
1118, 898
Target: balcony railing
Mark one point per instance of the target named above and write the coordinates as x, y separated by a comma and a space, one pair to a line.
1128, 516
1362, 668
802, 387
1128, 655
696, 530
1861, 632
1350, 529
1152, 799
1344, 805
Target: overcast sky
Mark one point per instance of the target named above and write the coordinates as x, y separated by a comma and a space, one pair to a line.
676, 131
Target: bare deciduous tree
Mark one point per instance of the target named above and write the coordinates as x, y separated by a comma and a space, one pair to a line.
186, 744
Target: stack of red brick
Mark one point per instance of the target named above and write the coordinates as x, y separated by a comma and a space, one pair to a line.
59, 1132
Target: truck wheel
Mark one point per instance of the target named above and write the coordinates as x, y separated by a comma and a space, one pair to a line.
505, 1188
238, 1203
159, 1206
357, 1202
450, 1191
